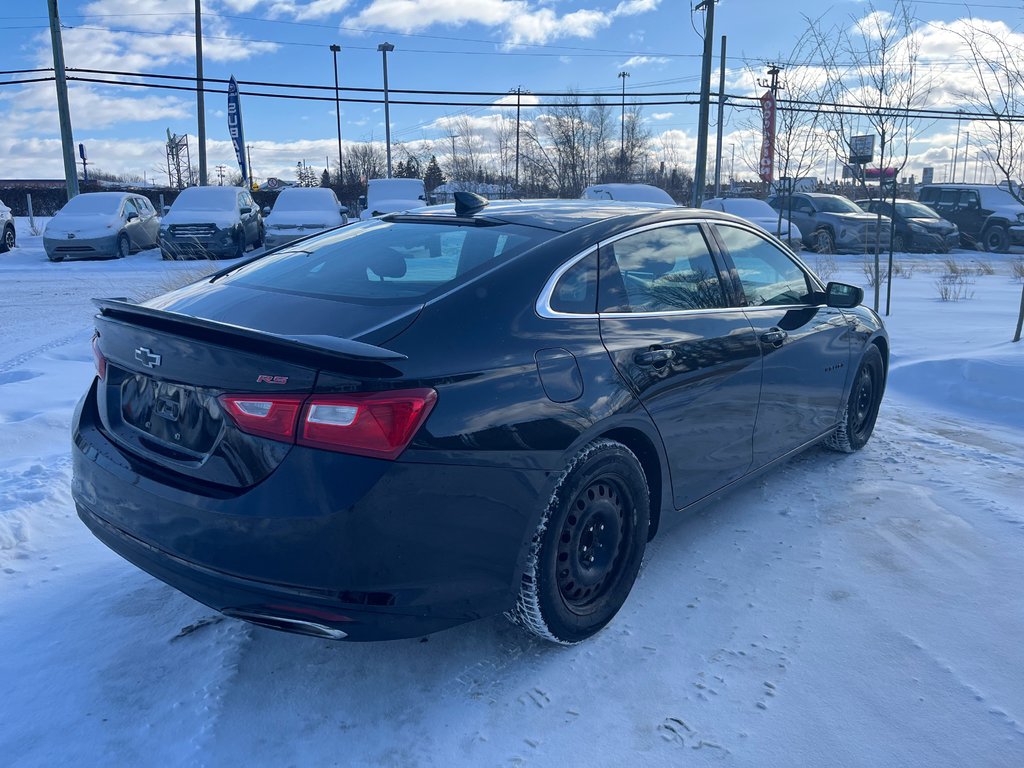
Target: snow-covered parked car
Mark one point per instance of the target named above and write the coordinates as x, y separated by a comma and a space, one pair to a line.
392, 195
211, 223
101, 224
759, 212
632, 193
302, 211
7, 235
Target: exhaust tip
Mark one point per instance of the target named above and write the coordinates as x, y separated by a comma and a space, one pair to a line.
287, 624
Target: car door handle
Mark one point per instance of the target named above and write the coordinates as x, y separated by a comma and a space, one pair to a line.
775, 337
655, 357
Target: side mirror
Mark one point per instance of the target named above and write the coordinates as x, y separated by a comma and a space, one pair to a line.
266, 210
343, 210
843, 295
132, 215
362, 201
245, 209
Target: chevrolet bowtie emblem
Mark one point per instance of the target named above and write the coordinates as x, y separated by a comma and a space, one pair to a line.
147, 358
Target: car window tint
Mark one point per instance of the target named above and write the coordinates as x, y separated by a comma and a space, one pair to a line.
385, 262
576, 290
768, 275
802, 205
969, 199
661, 270
927, 194
948, 197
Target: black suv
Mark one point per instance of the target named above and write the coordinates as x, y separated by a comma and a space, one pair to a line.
988, 216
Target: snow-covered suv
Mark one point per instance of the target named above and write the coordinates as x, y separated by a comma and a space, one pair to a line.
988, 216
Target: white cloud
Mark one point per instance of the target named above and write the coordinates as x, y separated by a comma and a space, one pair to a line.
641, 61
520, 21
662, 115
315, 9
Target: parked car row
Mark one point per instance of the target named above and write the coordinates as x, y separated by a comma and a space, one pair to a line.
203, 222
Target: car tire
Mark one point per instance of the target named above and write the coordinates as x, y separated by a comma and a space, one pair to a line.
600, 509
261, 238
861, 408
239, 245
899, 243
824, 241
167, 255
8, 241
123, 248
996, 239
55, 259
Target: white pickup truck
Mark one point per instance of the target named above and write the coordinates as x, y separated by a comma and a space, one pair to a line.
392, 195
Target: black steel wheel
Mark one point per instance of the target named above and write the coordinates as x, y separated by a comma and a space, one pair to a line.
861, 410
824, 241
996, 239
123, 246
7, 243
587, 549
239, 244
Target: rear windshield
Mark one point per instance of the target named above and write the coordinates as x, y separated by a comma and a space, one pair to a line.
386, 262
912, 210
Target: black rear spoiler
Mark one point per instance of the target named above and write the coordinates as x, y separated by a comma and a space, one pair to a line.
308, 344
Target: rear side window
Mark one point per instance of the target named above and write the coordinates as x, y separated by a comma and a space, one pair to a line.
576, 290
386, 262
660, 270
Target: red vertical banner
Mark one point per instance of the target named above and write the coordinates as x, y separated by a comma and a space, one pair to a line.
767, 164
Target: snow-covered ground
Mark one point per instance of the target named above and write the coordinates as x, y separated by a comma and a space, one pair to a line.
863, 610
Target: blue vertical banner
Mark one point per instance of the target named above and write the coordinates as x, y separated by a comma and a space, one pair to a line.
235, 128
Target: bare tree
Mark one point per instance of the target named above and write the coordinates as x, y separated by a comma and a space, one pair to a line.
882, 83
997, 93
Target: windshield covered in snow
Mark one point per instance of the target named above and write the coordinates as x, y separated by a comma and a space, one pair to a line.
306, 200
207, 199
748, 207
92, 203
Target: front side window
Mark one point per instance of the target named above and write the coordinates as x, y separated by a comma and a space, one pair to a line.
660, 270
768, 275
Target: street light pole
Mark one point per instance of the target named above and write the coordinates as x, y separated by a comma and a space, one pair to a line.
622, 130
335, 49
384, 48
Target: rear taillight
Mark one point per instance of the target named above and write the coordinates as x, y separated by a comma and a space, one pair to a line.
272, 417
101, 361
377, 424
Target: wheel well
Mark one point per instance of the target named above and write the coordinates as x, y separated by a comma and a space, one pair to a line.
645, 451
883, 348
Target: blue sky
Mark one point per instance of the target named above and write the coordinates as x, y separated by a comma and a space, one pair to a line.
485, 45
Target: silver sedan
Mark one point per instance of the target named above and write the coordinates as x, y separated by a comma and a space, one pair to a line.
101, 224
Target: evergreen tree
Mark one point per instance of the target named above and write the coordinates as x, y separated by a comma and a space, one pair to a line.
433, 177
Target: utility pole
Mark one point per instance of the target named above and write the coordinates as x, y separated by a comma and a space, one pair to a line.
519, 92
967, 154
63, 109
335, 50
956, 148
200, 99
721, 120
248, 154
384, 48
622, 130
700, 171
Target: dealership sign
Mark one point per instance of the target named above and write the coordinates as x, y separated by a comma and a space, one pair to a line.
862, 149
235, 128
766, 166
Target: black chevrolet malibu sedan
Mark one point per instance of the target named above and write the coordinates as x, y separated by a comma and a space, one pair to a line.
419, 420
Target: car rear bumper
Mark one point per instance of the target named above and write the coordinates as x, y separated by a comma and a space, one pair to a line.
375, 549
